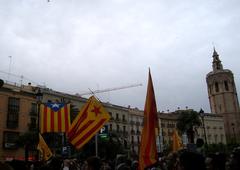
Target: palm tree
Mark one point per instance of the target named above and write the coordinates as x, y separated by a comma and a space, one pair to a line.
187, 120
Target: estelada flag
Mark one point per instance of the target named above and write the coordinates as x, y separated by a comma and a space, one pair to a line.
54, 117
148, 149
88, 122
44, 149
177, 144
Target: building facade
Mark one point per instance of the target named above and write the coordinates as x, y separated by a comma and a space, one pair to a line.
18, 114
18, 110
213, 124
223, 98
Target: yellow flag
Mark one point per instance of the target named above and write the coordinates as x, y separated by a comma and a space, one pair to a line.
177, 144
44, 149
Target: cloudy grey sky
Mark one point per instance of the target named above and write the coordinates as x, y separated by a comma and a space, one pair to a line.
73, 45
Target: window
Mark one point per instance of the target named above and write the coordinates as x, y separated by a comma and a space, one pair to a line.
216, 87
215, 138
123, 118
13, 112
118, 128
138, 139
124, 129
33, 123
226, 85
117, 116
111, 116
33, 110
132, 132
10, 139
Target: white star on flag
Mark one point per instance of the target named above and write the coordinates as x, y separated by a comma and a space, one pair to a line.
55, 105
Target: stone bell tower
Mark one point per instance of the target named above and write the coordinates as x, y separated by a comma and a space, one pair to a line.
223, 98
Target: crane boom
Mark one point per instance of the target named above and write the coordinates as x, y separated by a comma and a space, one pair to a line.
109, 89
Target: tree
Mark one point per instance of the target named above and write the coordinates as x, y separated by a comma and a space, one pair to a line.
107, 149
187, 120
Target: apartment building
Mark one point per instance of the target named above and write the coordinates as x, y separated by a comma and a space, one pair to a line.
18, 112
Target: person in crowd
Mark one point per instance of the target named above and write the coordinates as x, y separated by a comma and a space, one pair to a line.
234, 162
191, 161
5, 166
200, 146
93, 163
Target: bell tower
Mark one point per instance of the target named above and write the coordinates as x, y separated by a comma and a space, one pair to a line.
223, 98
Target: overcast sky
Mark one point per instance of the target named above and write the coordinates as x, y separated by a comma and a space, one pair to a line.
73, 45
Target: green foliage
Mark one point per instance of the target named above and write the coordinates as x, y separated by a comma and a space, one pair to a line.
188, 119
107, 149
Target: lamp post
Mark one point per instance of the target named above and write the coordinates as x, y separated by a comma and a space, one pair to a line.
201, 113
39, 97
234, 136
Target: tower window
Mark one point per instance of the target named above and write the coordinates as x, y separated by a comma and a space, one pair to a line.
216, 87
226, 85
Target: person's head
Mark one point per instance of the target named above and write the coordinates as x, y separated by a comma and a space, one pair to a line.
191, 160
199, 142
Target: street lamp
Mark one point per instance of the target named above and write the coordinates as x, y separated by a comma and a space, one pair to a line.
234, 136
39, 97
201, 113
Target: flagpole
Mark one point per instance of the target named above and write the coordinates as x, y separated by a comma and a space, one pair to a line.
96, 136
96, 144
39, 97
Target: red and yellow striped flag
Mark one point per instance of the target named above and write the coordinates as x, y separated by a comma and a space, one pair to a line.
148, 149
88, 122
54, 117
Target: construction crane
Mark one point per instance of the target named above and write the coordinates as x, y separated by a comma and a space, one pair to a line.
109, 89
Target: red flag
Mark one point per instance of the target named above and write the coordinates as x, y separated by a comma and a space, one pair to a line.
54, 117
148, 149
89, 121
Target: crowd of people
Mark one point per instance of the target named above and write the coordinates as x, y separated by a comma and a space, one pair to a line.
183, 160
